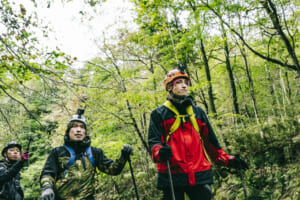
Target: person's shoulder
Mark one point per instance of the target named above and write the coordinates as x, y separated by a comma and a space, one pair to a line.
96, 149
159, 109
58, 150
198, 108
199, 112
3, 162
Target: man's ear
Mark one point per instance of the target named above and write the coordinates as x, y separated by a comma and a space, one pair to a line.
169, 87
5, 155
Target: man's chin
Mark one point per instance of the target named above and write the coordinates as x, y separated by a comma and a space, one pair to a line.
78, 139
182, 95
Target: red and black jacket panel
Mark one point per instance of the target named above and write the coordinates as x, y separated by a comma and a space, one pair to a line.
189, 164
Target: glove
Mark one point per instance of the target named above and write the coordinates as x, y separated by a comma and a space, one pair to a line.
25, 156
48, 194
126, 151
237, 163
165, 152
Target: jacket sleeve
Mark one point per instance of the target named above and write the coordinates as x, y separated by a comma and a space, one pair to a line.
18, 186
8, 174
211, 143
155, 135
106, 165
49, 172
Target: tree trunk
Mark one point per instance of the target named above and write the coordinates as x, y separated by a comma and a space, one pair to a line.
275, 100
229, 71
267, 58
208, 78
205, 61
201, 95
247, 72
250, 82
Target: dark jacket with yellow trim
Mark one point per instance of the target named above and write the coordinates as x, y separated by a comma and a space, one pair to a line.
189, 165
78, 183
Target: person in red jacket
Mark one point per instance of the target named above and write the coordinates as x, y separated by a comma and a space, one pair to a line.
179, 132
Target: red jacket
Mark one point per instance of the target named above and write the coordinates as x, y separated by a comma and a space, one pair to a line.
189, 165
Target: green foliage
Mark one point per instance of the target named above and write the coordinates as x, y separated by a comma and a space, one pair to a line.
39, 92
31, 179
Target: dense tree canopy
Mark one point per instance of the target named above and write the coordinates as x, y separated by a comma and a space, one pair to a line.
243, 60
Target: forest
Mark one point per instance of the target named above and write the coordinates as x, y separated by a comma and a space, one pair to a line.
243, 58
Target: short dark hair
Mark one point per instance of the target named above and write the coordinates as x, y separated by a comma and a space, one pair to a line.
71, 124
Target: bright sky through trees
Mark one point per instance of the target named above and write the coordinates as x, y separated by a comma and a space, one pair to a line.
76, 25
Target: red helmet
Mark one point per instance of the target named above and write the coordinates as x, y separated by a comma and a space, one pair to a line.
174, 74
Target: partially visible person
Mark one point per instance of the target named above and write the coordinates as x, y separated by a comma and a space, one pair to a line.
69, 172
10, 166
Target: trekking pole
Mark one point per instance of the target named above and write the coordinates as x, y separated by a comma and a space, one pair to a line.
171, 181
240, 172
168, 167
133, 180
243, 183
30, 139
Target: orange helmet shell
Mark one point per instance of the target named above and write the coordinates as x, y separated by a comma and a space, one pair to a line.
174, 74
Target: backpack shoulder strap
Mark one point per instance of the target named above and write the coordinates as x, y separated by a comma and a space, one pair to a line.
72, 158
89, 153
72, 155
191, 114
177, 121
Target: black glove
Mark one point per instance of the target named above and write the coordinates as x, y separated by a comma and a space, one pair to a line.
48, 194
165, 152
126, 151
237, 163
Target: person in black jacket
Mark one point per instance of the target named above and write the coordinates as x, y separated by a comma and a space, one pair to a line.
69, 172
10, 166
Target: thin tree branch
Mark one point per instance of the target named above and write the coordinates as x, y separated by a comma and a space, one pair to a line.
23, 105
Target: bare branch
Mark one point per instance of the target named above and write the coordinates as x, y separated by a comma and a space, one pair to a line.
23, 105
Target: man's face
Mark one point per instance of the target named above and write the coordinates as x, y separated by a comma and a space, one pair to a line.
180, 86
77, 132
13, 153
